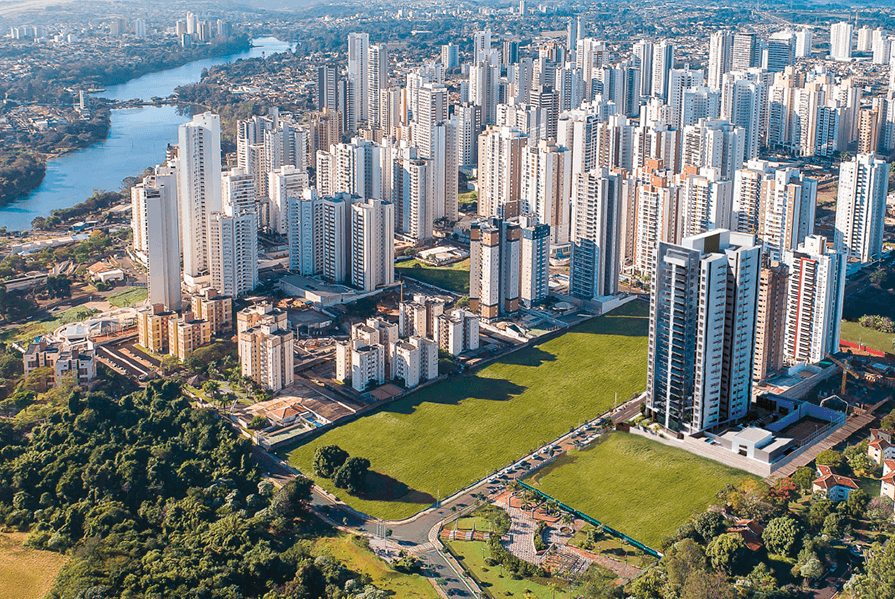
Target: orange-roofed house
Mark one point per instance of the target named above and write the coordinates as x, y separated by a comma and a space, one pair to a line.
887, 488
750, 531
835, 486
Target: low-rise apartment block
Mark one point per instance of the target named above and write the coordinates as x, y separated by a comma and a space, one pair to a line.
458, 331
187, 334
61, 358
266, 351
216, 309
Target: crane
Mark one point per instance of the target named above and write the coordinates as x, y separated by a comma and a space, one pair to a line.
845, 371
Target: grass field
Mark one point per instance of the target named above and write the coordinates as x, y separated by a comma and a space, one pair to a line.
30, 330
128, 297
447, 436
855, 333
453, 277
635, 485
363, 561
498, 582
26, 573
480, 523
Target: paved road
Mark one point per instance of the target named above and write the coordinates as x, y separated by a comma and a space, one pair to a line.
418, 534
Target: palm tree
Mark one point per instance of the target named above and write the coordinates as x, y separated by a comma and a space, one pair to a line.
211, 389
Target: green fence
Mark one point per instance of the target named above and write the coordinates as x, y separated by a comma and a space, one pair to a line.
594, 522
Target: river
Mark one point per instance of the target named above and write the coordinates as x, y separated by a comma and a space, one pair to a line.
137, 140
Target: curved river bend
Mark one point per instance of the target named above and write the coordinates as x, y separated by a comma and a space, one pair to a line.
137, 139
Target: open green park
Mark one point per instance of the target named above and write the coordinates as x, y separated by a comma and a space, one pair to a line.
453, 277
635, 485
445, 437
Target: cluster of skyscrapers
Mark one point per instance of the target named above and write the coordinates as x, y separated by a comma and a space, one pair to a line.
629, 163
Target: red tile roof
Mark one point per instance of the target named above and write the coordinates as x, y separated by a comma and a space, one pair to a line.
828, 479
880, 444
750, 531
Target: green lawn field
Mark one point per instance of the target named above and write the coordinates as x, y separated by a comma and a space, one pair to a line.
128, 297
361, 560
453, 277
635, 485
447, 436
498, 582
855, 333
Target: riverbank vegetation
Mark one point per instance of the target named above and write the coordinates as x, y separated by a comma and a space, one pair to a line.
100, 200
20, 173
47, 86
53, 92
23, 165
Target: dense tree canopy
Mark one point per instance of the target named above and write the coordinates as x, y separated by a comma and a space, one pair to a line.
158, 499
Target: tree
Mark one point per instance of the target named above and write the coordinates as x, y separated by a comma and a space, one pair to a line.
783, 492
328, 459
862, 464
648, 585
761, 584
803, 477
292, 498
747, 499
833, 526
58, 286
709, 525
878, 579
708, 586
211, 389
812, 569
725, 551
829, 457
879, 510
820, 508
169, 364
782, 535
878, 276
857, 502
352, 476
683, 560
258, 422
888, 422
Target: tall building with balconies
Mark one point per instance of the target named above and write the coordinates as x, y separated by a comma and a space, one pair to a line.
861, 207
814, 300
702, 323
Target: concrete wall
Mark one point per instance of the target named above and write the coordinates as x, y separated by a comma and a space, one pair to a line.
800, 390
719, 454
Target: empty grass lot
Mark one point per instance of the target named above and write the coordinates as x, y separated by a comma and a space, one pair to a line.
855, 333
635, 485
362, 561
453, 277
128, 297
447, 436
26, 573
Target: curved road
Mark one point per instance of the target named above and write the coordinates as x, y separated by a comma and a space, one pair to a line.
419, 533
